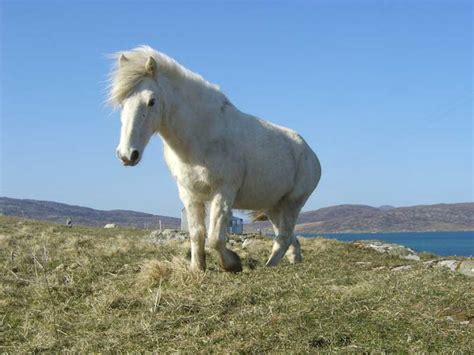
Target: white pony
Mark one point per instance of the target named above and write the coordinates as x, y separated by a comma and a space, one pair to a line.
218, 154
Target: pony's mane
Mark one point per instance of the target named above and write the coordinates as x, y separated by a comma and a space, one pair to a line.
124, 78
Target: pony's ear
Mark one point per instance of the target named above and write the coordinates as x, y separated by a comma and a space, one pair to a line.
122, 59
150, 66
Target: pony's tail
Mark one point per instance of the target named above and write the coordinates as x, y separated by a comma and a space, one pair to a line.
258, 215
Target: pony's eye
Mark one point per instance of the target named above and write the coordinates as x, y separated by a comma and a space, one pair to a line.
151, 102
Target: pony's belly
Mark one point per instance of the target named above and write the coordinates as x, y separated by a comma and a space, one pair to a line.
253, 204
261, 195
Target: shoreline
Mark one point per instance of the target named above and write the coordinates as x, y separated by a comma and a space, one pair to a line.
394, 232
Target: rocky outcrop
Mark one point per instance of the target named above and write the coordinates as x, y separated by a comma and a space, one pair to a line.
465, 267
247, 242
388, 248
166, 235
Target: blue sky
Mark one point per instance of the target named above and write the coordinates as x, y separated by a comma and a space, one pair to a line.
381, 90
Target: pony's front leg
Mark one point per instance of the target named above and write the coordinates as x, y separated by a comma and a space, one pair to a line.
220, 213
195, 213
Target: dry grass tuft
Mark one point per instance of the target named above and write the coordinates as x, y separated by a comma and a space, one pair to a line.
153, 272
183, 276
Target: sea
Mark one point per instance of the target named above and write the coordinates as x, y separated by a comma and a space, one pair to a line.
439, 243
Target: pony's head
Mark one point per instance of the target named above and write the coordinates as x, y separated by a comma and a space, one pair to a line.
136, 90
139, 85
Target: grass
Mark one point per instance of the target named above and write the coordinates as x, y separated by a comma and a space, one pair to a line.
92, 289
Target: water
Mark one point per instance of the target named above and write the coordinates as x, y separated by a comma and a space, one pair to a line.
439, 243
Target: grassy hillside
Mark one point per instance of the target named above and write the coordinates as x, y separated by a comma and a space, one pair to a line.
90, 289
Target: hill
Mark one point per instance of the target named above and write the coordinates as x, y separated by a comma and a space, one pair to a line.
59, 212
361, 218
335, 219
90, 289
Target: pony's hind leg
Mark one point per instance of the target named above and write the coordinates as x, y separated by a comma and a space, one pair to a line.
195, 213
294, 251
284, 220
219, 218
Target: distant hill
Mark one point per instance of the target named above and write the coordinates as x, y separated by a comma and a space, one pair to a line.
361, 218
386, 207
59, 212
335, 219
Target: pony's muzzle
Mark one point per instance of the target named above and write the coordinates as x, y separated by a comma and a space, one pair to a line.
130, 159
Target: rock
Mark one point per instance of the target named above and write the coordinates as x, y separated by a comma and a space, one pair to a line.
363, 263
402, 268
466, 267
429, 263
388, 248
450, 264
110, 225
411, 257
247, 243
166, 235
464, 322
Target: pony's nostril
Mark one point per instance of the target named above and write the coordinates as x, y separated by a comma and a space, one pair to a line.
134, 156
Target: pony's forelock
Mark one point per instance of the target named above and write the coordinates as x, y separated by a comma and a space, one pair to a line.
124, 78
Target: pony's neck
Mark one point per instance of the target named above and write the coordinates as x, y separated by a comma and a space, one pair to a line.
191, 112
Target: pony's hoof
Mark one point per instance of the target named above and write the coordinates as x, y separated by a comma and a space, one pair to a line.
295, 259
274, 260
197, 268
230, 262
198, 263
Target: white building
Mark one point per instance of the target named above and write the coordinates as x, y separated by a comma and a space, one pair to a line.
235, 226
